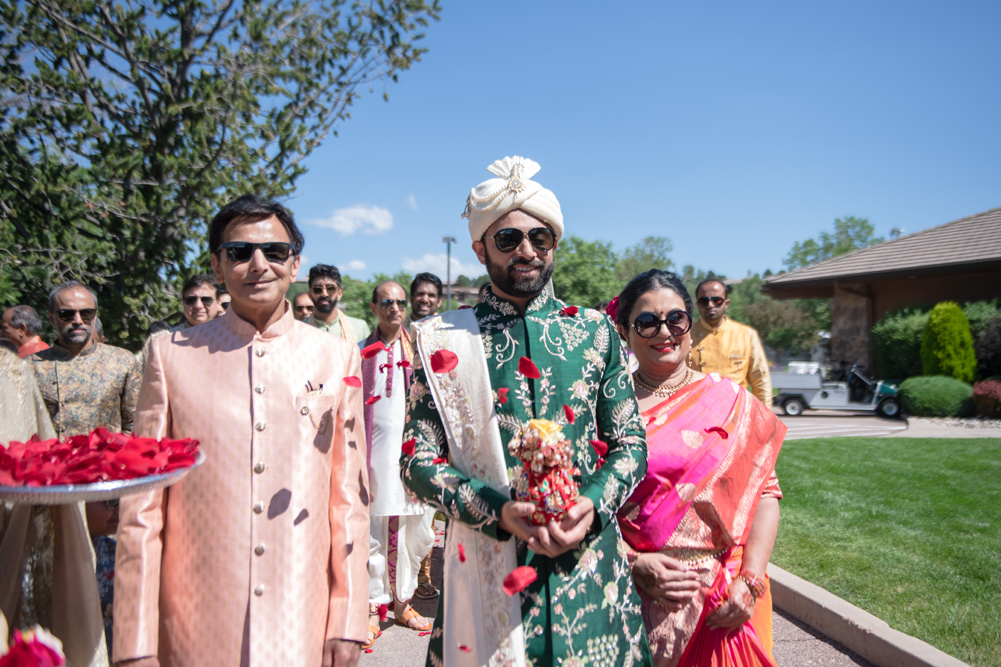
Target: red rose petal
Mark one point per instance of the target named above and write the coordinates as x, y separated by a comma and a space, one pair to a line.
462, 553
519, 579
502, 395
464, 307
369, 650
408, 446
569, 413
465, 649
443, 361
424, 634
383, 367
373, 399
352, 381
722, 432
440, 460
600, 448
403, 364
372, 350
528, 369
570, 310
383, 612
612, 309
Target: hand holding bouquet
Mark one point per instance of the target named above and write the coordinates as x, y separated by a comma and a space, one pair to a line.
546, 479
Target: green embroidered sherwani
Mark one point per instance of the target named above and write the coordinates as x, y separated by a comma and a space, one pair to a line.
583, 608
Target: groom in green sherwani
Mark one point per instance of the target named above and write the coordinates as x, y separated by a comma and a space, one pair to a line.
481, 376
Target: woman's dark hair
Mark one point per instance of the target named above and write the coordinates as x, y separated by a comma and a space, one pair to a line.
256, 208
649, 281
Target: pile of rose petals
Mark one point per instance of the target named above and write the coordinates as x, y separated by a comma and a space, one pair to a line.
101, 456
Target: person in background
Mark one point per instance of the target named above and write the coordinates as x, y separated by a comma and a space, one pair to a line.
725, 346
325, 290
701, 525
22, 326
102, 522
200, 304
223, 301
302, 307
425, 296
98, 331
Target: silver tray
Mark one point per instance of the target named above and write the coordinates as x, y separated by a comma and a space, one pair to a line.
64, 494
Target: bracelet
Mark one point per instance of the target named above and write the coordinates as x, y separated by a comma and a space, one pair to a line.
755, 583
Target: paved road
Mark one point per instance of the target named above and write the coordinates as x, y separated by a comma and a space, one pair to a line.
831, 424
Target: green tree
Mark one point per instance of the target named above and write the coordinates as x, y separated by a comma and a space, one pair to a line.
585, 272
744, 293
849, 234
783, 326
692, 276
653, 252
357, 295
125, 124
946, 343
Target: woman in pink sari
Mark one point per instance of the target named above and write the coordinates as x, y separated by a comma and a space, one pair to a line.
701, 525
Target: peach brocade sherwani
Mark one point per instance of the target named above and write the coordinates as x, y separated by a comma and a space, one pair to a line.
259, 555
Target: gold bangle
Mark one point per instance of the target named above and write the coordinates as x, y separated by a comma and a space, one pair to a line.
754, 583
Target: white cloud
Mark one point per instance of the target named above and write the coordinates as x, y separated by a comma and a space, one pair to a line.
355, 265
371, 220
436, 264
412, 201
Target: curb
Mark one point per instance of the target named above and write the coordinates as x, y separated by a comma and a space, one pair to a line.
857, 630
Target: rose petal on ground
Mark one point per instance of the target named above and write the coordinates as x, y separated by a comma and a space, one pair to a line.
528, 369
372, 350
502, 395
408, 446
462, 553
600, 448
352, 381
718, 429
369, 650
569, 413
443, 361
372, 400
519, 579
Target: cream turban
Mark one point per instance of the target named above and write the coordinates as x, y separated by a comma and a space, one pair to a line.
495, 197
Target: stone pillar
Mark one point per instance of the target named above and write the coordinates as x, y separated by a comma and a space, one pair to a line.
851, 325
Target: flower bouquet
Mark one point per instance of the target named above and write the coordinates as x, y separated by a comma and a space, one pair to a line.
546, 478
99, 466
33, 648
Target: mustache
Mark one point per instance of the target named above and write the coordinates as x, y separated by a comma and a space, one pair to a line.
535, 263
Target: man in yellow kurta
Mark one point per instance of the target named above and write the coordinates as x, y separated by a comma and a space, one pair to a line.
724, 346
258, 557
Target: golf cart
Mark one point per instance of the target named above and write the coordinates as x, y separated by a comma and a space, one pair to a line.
855, 392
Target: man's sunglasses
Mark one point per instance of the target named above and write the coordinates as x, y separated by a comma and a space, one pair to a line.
325, 289
715, 300
648, 325
388, 303
193, 299
67, 314
241, 251
541, 238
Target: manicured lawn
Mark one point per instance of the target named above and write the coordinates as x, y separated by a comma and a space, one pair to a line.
907, 529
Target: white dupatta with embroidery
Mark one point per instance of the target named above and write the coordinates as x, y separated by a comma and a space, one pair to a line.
479, 615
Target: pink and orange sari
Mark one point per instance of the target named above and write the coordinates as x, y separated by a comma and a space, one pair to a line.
712, 451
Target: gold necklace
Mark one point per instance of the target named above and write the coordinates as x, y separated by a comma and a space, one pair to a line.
663, 390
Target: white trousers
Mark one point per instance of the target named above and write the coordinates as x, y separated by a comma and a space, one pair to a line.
397, 545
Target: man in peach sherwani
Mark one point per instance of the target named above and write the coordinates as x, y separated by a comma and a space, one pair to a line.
258, 557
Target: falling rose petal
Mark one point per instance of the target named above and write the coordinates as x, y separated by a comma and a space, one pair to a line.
383, 367
722, 432
383, 612
465, 649
569, 413
408, 446
528, 369
372, 350
372, 400
612, 309
519, 579
352, 381
440, 460
600, 448
462, 553
443, 361
403, 364
570, 310
502, 395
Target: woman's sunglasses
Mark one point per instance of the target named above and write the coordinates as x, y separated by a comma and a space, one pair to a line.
541, 238
648, 325
241, 251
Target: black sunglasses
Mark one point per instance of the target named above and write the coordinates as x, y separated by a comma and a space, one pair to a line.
67, 314
325, 289
224, 304
716, 300
193, 299
241, 251
541, 238
648, 325
388, 303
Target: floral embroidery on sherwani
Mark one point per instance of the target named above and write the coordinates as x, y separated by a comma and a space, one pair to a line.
583, 608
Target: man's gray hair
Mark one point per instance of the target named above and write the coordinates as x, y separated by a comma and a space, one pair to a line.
66, 285
28, 317
98, 327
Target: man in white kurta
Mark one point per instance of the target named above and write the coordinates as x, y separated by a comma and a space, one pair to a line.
401, 528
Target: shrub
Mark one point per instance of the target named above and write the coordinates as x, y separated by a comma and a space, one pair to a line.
988, 349
897, 343
980, 313
987, 398
946, 344
936, 396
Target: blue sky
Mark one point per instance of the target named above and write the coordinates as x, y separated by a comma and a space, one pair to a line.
734, 129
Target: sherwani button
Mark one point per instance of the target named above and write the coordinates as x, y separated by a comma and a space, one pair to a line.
304, 411
258, 507
259, 389
259, 468
260, 549
259, 591
260, 426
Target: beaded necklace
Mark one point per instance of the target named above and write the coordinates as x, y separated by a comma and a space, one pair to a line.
663, 390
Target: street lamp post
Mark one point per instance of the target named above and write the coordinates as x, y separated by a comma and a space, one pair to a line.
448, 240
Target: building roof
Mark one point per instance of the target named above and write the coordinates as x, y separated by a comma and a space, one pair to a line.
969, 243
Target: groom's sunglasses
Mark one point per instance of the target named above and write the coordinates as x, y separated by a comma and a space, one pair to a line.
241, 251
541, 238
